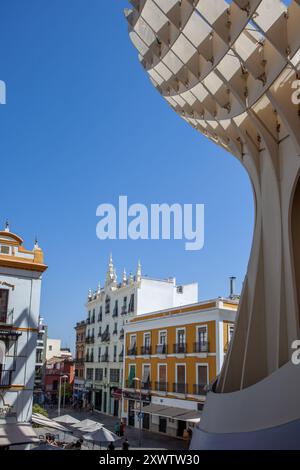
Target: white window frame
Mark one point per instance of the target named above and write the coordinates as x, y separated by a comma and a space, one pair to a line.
159, 339
230, 336
181, 329
197, 331
147, 333
130, 340
146, 364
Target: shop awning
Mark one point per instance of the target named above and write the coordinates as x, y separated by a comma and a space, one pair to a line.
180, 414
17, 434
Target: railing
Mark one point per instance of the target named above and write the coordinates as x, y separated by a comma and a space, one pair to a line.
89, 359
124, 310
5, 378
146, 350
180, 388
90, 339
132, 351
202, 347
93, 319
161, 386
161, 349
200, 389
179, 348
146, 385
115, 332
105, 358
105, 337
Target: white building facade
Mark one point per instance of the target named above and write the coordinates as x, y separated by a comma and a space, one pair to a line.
108, 311
20, 287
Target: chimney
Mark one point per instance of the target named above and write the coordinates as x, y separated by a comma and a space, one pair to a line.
232, 287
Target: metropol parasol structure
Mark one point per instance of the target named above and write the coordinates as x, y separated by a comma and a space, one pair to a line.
230, 70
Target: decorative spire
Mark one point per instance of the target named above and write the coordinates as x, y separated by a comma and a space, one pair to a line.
111, 274
139, 272
36, 245
131, 280
6, 227
124, 278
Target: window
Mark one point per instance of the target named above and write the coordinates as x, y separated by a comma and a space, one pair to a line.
100, 314
131, 304
5, 250
147, 340
3, 305
146, 375
107, 304
202, 334
99, 354
89, 374
162, 373
114, 375
162, 337
98, 375
132, 341
131, 375
180, 336
50, 347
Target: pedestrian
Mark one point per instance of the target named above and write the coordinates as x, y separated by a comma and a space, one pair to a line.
190, 433
125, 445
122, 428
111, 446
117, 428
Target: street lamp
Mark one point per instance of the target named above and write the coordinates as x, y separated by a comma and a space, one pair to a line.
59, 392
137, 379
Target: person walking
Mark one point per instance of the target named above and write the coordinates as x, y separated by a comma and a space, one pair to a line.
117, 428
111, 446
125, 445
122, 428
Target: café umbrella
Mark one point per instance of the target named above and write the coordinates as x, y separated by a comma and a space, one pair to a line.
66, 419
100, 436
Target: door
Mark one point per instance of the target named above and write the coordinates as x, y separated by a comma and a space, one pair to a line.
180, 341
181, 428
180, 376
162, 378
146, 418
131, 413
116, 407
98, 400
162, 424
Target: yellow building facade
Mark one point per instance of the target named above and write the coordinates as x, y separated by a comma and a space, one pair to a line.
171, 357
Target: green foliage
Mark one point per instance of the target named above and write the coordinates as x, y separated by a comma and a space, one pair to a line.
39, 409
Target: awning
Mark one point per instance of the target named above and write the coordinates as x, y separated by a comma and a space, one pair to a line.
41, 420
180, 414
17, 434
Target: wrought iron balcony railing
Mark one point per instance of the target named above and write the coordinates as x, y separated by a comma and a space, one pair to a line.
179, 348
161, 349
146, 350
161, 386
132, 351
201, 347
200, 389
180, 388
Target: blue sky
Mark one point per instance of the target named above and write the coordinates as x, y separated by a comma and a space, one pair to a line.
83, 125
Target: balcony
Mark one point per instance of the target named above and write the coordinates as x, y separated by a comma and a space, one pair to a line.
5, 378
179, 348
202, 347
89, 359
124, 310
161, 386
88, 321
180, 388
92, 319
146, 350
105, 338
132, 351
161, 349
105, 358
146, 386
90, 339
200, 389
